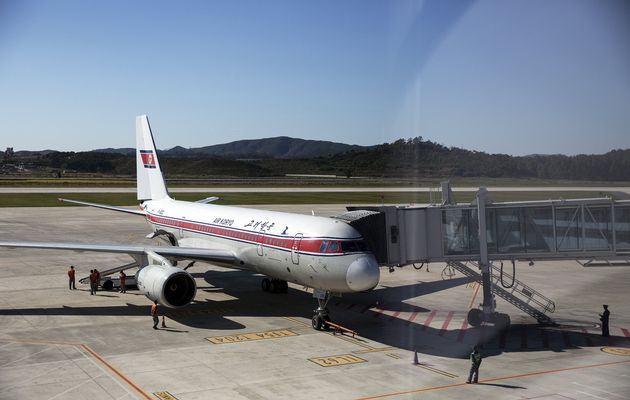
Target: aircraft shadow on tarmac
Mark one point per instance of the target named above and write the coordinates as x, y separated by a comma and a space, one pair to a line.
372, 314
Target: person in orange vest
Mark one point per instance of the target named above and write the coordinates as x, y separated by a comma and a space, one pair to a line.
154, 314
98, 280
92, 281
122, 276
71, 273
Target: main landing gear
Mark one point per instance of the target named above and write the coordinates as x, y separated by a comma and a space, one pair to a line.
274, 285
321, 313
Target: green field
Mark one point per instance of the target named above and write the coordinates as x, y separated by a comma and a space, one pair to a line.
129, 199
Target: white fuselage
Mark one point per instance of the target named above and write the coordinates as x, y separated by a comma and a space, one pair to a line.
318, 252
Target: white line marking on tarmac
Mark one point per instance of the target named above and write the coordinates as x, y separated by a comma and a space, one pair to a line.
24, 358
72, 388
599, 390
591, 395
107, 374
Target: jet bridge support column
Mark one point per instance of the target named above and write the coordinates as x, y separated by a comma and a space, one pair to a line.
484, 264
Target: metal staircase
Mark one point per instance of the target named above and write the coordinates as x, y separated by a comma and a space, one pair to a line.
518, 294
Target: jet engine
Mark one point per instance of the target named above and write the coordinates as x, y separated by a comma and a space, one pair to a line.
170, 286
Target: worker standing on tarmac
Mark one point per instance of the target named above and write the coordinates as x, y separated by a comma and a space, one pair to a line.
475, 359
154, 314
604, 318
92, 281
122, 276
98, 279
71, 273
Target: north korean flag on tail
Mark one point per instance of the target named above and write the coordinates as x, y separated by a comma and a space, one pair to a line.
148, 159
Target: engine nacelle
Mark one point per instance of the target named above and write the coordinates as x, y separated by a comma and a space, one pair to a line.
170, 286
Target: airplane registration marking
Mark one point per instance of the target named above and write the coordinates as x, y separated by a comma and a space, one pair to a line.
334, 361
164, 396
245, 337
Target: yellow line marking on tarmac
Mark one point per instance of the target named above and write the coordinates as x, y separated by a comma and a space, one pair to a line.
526, 375
617, 351
89, 351
472, 299
164, 395
246, 337
334, 361
375, 349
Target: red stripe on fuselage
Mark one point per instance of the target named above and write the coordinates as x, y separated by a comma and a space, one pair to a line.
306, 245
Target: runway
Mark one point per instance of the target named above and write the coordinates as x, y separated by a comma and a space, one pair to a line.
237, 342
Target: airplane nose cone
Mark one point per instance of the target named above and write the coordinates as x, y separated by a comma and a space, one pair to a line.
363, 274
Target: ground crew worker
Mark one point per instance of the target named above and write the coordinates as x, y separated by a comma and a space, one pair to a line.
98, 279
604, 318
71, 273
122, 276
154, 314
92, 281
475, 359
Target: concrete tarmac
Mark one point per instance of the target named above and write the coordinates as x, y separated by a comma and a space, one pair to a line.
237, 342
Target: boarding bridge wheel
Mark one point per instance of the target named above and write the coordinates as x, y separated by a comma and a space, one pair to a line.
476, 318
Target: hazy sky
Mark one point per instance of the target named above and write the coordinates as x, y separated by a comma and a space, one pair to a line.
516, 77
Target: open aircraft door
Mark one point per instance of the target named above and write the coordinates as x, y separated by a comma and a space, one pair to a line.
295, 248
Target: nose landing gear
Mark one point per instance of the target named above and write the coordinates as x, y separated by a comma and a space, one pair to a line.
321, 313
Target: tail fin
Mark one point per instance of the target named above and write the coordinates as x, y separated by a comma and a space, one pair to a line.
149, 177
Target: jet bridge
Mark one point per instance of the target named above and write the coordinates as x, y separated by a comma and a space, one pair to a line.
578, 229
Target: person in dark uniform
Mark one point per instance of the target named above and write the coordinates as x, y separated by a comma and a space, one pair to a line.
154, 314
123, 277
475, 359
98, 280
71, 273
604, 318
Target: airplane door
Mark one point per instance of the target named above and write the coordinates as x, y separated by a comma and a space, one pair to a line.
259, 248
295, 248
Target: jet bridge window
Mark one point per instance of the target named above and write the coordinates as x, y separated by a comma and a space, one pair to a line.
459, 231
622, 227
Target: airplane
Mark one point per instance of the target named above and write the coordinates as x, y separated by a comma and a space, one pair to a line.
325, 254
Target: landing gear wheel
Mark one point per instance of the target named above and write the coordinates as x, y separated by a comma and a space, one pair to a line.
502, 321
475, 317
108, 285
317, 322
266, 285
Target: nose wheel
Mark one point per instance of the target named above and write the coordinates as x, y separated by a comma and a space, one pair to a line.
321, 312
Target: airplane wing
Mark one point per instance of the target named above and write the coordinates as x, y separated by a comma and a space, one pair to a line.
187, 253
104, 206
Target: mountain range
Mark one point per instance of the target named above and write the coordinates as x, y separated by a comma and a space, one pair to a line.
281, 147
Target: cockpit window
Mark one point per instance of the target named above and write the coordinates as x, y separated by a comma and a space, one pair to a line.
322, 248
333, 247
361, 245
347, 247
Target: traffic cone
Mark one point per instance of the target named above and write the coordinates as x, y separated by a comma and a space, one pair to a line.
163, 322
415, 357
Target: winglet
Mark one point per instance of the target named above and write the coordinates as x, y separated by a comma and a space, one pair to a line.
149, 177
